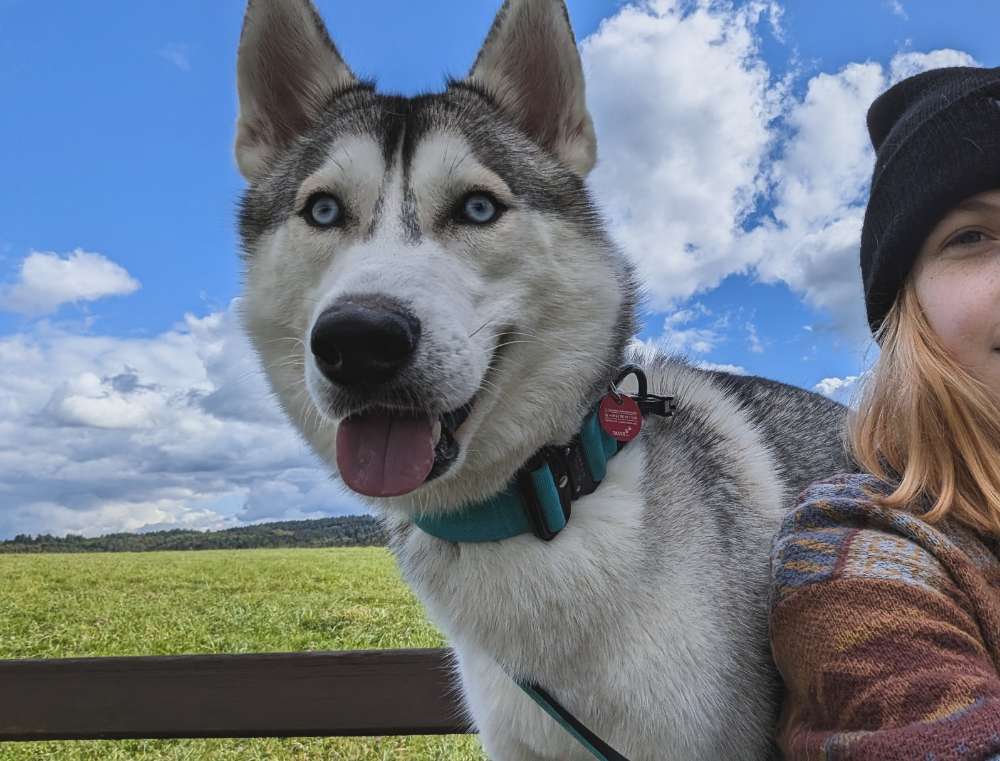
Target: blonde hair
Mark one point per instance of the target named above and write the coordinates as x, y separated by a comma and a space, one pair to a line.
925, 420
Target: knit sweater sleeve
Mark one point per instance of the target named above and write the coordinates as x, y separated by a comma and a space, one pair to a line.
880, 650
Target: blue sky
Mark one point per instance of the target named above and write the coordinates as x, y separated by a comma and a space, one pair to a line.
118, 137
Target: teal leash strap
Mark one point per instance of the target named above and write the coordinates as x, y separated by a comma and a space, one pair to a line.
597, 747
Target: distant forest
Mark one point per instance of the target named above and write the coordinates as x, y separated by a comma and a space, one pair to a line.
352, 531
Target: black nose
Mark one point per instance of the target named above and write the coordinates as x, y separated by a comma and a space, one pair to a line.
364, 342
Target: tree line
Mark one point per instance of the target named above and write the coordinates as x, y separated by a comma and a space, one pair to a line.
350, 531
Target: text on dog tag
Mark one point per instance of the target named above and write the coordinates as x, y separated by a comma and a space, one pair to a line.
622, 420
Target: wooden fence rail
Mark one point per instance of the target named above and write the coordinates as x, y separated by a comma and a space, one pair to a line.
377, 692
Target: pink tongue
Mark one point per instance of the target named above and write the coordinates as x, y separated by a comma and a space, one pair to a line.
384, 456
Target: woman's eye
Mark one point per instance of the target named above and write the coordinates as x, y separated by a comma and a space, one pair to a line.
323, 210
479, 209
967, 238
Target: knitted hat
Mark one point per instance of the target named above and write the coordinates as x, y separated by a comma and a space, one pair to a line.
937, 142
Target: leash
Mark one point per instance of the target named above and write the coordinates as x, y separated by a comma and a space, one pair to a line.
571, 724
540, 497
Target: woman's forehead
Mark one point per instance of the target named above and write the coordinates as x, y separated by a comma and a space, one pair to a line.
988, 201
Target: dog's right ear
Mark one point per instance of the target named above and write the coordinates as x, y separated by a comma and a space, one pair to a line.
287, 69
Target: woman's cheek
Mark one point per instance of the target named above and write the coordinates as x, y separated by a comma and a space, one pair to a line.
953, 304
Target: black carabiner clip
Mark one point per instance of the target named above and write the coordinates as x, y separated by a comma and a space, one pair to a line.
649, 404
640, 375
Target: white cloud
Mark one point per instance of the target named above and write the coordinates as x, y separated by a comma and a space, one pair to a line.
897, 8
906, 65
102, 434
658, 346
838, 389
90, 401
811, 240
48, 280
684, 142
680, 337
696, 330
722, 368
178, 54
756, 345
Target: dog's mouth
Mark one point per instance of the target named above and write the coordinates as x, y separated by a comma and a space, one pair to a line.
389, 453
383, 452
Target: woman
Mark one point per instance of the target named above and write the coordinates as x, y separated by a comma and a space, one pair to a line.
885, 619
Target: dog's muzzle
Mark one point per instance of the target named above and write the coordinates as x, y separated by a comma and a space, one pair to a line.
362, 345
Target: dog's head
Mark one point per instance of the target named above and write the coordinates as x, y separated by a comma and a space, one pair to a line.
427, 282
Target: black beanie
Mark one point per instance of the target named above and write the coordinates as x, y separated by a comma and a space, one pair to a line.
937, 142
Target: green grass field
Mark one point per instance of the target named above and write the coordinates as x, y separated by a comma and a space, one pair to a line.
243, 601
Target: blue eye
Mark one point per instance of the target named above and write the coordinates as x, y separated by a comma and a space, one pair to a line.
479, 209
323, 210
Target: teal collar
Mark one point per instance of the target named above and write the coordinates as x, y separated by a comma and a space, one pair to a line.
538, 500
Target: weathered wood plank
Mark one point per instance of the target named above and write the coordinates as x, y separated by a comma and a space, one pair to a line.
380, 692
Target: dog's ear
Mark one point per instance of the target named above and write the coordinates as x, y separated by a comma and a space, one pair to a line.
530, 64
287, 69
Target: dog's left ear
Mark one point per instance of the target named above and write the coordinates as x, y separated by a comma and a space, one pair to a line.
530, 64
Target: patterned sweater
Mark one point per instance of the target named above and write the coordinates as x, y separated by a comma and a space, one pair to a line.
886, 631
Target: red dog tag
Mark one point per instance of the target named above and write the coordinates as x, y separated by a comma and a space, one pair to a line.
622, 420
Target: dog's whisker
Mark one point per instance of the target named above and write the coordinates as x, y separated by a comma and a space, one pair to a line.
511, 343
281, 339
529, 338
291, 365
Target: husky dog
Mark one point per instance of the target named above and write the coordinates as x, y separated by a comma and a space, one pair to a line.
434, 299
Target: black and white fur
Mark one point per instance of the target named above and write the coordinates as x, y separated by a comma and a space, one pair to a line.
646, 616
